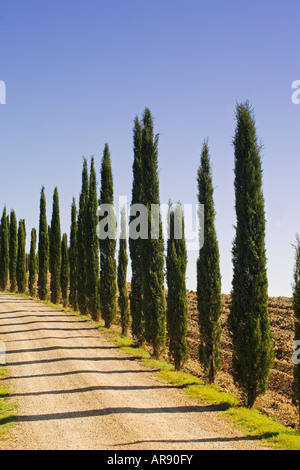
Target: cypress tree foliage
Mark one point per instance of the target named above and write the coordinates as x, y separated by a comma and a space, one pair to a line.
32, 264
249, 318
64, 273
55, 250
122, 276
37, 262
92, 247
49, 237
108, 267
27, 262
153, 247
73, 258
43, 249
296, 307
208, 275
24, 226
177, 310
8, 226
82, 241
136, 294
21, 259
13, 247
4, 252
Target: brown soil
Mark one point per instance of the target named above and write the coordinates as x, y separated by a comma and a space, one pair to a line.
277, 401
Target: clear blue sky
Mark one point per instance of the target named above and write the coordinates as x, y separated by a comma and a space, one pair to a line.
78, 72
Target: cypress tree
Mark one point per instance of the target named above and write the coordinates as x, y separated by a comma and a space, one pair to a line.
4, 252
108, 268
122, 276
55, 250
43, 249
49, 238
177, 310
249, 318
73, 258
21, 259
92, 247
153, 247
64, 273
82, 241
13, 247
136, 294
208, 275
296, 308
32, 264
37, 262
8, 227
24, 226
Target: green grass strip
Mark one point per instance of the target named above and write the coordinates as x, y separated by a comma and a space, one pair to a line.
8, 409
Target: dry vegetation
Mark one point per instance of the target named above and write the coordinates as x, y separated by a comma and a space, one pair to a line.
277, 401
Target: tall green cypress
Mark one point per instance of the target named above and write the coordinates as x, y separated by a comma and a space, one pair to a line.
136, 294
108, 268
4, 252
296, 308
92, 247
177, 309
24, 226
13, 247
82, 241
153, 247
122, 276
21, 259
249, 318
73, 258
43, 249
64, 273
55, 250
208, 274
8, 227
32, 264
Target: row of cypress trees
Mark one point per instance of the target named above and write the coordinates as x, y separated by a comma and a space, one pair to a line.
154, 320
14, 261
248, 321
253, 347
85, 273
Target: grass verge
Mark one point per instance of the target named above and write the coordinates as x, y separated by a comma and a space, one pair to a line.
252, 422
8, 409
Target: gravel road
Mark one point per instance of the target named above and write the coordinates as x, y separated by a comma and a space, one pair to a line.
75, 390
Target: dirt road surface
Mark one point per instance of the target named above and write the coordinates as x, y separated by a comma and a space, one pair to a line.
75, 390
